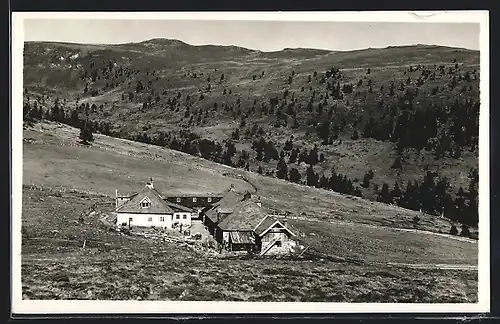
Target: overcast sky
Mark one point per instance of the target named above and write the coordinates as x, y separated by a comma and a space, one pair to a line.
261, 35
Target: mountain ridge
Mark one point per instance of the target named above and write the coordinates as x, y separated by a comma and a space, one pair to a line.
354, 109
173, 41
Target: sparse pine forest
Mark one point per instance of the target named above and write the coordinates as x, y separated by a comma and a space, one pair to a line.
397, 125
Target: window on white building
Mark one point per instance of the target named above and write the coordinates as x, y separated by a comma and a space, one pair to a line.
177, 217
150, 219
145, 203
194, 199
184, 216
162, 218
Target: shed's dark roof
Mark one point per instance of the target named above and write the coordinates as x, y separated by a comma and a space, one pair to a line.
240, 237
264, 224
230, 200
246, 216
195, 195
126, 195
158, 205
176, 207
225, 205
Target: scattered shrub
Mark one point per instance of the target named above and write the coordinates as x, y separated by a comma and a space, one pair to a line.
60, 276
465, 231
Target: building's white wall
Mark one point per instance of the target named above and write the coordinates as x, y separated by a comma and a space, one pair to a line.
285, 248
143, 220
182, 218
225, 236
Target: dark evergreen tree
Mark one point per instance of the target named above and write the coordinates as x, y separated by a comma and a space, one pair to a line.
86, 135
139, 87
471, 212
229, 153
293, 155
236, 134
396, 194
385, 194
294, 175
312, 158
312, 178
282, 170
323, 182
288, 145
397, 164
355, 135
428, 193
367, 178
324, 132
465, 231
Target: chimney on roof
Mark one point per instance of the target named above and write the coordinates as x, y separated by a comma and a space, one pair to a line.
150, 183
284, 222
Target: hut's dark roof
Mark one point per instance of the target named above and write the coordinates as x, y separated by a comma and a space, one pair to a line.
240, 237
264, 224
268, 222
158, 205
246, 215
177, 207
225, 205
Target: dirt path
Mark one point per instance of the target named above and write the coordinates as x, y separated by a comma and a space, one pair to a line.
438, 266
240, 177
435, 266
424, 232
453, 237
394, 66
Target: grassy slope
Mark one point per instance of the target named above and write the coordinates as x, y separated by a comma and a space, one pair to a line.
174, 61
132, 268
121, 267
125, 165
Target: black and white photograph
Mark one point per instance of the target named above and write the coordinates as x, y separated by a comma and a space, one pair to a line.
250, 162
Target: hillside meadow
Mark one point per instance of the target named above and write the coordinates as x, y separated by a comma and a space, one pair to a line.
162, 86
112, 266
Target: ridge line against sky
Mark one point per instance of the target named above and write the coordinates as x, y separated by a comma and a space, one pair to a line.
266, 36
250, 49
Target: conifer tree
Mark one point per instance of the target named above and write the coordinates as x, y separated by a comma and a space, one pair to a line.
385, 195
282, 170
294, 175
86, 135
367, 178
396, 194
312, 178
